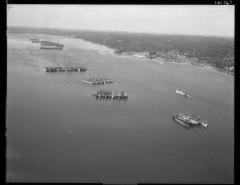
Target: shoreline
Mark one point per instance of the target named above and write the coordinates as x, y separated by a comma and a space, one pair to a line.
105, 50
202, 65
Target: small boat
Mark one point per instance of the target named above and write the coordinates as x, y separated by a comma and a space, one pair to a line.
181, 92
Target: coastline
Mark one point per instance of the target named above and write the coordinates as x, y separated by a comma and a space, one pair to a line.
106, 50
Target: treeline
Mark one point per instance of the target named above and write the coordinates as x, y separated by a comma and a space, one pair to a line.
216, 51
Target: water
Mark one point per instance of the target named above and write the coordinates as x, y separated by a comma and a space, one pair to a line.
58, 132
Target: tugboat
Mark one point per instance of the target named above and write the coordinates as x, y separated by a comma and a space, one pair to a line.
190, 120
181, 92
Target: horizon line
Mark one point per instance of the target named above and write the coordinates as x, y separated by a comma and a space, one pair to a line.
124, 31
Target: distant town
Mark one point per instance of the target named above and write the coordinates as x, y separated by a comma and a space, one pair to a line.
175, 57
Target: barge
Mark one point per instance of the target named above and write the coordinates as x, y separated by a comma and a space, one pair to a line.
98, 81
65, 69
190, 120
108, 94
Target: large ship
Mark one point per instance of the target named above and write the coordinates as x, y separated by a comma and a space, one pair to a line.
51, 45
97, 81
65, 69
35, 40
109, 94
45, 44
190, 120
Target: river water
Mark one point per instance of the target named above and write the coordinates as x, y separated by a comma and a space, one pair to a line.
58, 132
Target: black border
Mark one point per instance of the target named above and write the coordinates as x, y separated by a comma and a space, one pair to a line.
3, 77
157, 2
236, 92
3, 42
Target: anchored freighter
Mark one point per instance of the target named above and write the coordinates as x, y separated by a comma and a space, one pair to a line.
65, 69
108, 94
97, 81
190, 120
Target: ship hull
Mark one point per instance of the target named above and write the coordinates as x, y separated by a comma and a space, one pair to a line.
188, 122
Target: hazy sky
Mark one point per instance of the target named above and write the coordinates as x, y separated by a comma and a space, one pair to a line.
162, 19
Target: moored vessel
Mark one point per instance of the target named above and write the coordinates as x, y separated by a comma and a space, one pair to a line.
190, 120
65, 69
97, 81
110, 94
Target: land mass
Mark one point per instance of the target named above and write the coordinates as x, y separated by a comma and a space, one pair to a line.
216, 52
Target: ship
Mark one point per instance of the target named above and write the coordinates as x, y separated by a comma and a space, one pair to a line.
50, 43
35, 40
65, 69
184, 93
97, 81
110, 94
54, 48
190, 120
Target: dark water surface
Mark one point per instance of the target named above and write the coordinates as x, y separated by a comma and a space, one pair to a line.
57, 132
